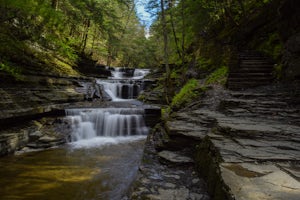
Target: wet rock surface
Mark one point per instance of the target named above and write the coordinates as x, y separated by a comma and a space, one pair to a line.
37, 95
35, 135
248, 153
167, 175
246, 143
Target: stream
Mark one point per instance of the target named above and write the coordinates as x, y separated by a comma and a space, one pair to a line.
101, 160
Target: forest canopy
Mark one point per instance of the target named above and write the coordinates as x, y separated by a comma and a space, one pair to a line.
56, 34
53, 34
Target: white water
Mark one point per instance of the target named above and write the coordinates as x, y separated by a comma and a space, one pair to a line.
123, 88
117, 74
105, 141
115, 88
140, 73
106, 126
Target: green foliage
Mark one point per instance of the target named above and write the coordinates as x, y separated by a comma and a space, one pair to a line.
174, 75
10, 69
190, 91
278, 71
53, 33
219, 76
165, 112
272, 46
204, 63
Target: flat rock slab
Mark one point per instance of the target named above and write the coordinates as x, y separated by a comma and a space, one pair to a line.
175, 157
245, 150
259, 181
260, 158
185, 129
255, 127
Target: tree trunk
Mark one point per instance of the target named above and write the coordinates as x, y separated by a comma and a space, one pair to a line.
54, 4
242, 8
173, 29
85, 35
183, 32
166, 54
109, 51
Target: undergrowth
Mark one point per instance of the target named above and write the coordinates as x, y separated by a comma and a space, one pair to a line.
219, 76
10, 69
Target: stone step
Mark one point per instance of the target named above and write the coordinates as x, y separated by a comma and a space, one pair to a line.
248, 76
259, 111
244, 79
253, 103
253, 58
255, 63
274, 95
253, 80
250, 73
254, 68
246, 85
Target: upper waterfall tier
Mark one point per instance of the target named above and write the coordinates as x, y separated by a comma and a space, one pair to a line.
126, 84
128, 73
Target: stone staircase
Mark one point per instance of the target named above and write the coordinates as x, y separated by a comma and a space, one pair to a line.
253, 70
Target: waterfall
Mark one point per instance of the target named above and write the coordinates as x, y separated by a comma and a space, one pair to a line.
140, 73
120, 90
117, 73
106, 122
125, 83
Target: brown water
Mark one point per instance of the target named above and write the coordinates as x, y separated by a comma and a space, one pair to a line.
69, 173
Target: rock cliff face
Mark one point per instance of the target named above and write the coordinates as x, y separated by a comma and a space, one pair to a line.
37, 94
33, 97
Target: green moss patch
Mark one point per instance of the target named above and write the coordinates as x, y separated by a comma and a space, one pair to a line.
219, 76
189, 92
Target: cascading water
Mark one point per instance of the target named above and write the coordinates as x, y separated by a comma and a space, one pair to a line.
121, 91
117, 73
125, 84
140, 73
106, 142
106, 122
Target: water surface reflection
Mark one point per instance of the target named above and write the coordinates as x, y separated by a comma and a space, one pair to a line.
73, 172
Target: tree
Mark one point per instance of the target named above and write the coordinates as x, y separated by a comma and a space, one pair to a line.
166, 53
